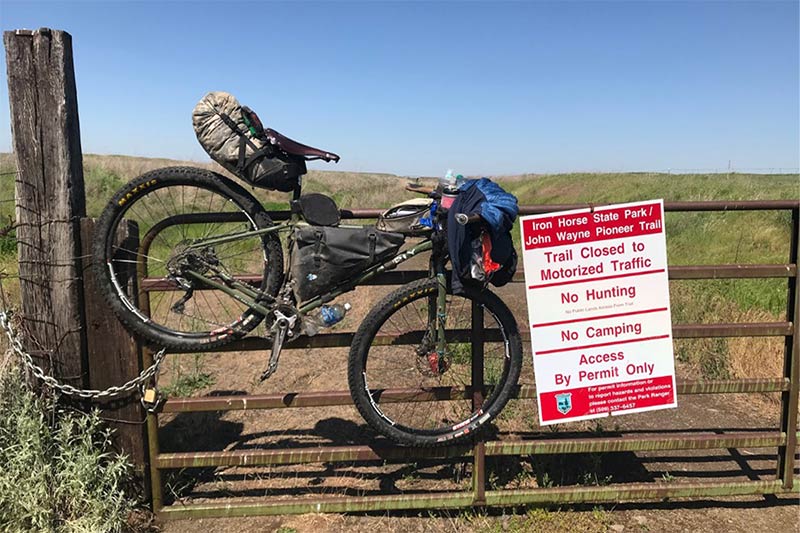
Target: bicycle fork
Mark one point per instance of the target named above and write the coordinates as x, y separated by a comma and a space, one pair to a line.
437, 319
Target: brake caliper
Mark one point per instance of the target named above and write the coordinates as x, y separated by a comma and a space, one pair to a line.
438, 363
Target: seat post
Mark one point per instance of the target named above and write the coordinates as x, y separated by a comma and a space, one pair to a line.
295, 208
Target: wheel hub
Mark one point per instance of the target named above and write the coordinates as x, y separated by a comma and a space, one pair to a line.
186, 259
429, 361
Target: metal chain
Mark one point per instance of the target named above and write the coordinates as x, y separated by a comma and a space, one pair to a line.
134, 384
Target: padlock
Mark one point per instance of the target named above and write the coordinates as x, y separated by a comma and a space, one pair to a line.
149, 396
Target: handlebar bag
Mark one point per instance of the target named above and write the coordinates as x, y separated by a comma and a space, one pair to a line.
412, 217
324, 256
234, 138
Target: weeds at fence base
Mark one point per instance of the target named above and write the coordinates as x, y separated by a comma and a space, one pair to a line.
59, 473
539, 520
187, 378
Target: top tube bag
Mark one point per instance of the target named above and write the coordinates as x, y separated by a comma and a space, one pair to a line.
412, 217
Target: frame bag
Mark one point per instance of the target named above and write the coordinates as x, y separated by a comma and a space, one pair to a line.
233, 136
325, 256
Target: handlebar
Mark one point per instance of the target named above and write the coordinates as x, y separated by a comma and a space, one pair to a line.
464, 219
419, 189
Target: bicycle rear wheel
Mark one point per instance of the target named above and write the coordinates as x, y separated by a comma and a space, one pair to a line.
393, 365
172, 209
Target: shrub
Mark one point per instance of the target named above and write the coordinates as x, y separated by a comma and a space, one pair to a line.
58, 472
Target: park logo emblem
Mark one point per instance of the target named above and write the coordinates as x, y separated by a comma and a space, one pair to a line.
564, 402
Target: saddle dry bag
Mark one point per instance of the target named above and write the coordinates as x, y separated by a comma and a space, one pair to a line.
323, 256
233, 136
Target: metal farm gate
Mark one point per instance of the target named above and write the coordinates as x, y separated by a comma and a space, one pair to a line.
784, 437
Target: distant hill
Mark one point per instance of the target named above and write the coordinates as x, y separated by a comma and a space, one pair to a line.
104, 174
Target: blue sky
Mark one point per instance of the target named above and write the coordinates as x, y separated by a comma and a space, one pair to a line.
414, 88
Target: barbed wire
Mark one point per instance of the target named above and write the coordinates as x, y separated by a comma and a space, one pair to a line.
42, 269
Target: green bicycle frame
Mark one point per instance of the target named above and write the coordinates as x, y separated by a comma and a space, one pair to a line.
245, 294
248, 296
241, 235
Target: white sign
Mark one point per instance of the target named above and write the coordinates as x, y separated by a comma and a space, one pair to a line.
598, 304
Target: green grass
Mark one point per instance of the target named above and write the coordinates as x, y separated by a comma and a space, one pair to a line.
539, 520
100, 184
187, 378
610, 187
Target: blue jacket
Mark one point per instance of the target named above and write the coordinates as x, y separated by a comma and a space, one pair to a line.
499, 210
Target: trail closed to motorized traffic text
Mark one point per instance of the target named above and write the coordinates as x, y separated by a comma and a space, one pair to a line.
599, 313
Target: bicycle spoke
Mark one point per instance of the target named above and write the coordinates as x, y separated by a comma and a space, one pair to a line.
399, 366
206, 310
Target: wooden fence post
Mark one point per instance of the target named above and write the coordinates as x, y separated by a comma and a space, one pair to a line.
68, 326
50, 198
115, 357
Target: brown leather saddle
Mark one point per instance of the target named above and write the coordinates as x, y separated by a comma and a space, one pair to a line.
309, 153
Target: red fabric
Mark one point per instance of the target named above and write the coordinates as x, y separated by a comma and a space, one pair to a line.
489, 266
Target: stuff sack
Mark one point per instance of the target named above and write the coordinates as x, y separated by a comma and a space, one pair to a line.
323, 256
233, 136
498, 210
412, 217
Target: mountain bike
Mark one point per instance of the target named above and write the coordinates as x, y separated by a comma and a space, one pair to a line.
212, 261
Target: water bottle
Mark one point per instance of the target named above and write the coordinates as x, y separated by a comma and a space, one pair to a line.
327, 316
449, 188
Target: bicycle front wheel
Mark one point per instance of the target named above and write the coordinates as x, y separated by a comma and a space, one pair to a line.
405, 389
173, 210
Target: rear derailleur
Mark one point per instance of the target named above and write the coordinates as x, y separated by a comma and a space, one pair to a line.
188, 260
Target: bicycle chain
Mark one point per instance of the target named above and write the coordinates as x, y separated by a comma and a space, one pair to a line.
209, 322
137, 383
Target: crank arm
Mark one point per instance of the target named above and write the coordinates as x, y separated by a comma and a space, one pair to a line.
281, 327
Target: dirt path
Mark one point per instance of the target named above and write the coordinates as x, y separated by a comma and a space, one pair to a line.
341, 425
700, 517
